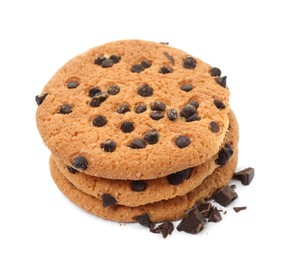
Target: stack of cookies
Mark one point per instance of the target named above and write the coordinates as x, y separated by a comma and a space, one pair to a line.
137, 127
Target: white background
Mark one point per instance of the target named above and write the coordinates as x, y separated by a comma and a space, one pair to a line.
243, 38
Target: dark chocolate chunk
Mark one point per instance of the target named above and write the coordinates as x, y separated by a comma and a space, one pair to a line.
238, 209
93, 91
155, 230
99, 121
233, 186
140, 108
214, 127
188, 111
99, 60
219, 104
80, 163
39, 99
194, 103
165, 70
172, 114
115, 58
158, 106
98, 99
106, 63
65, 109
108, 146
179, 177
156, 115
221, 81
71, 169
186, 87
127, 127
137, 143
137, 68
205, 209
224, 155
193, 222
152, 137
194, 117
166, 228
214, 215
245, 176
146, 64
72, 84
182, 141
164, 43
145, 90
113, 90
144, 220
225, 196
123, 108
189, 63
138, 185
215, 72
108, 200
169, 57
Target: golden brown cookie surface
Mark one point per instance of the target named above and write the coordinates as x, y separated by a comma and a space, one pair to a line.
133, 101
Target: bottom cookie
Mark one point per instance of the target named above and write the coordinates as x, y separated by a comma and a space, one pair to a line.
171, 209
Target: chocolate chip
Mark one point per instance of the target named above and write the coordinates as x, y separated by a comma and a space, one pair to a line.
225, 196
137, 143
72, 84
80, 163
215, 72
140, 108
65, 109
146, 64
205, 209
214, 215
219, 104
99, 60
71, 169
99, 121
108, 200
165, 70
145, 90
193, 222
186, 87
138, 185
158, 106
144, 220
194, 103
39, 99
245, 176
189, 63
169, 57
137, 68
93, 91
172, 114
127, 127
221, 81
224, 155
188, 111
152, 137
98, 99
115, 58
195, 117
123, 108
106, 63
113, 90
109, 146
156, 115
166, 228
179, 177
214, 127
238, 209
182, 141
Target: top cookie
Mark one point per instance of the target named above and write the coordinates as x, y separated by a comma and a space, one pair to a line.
134, 110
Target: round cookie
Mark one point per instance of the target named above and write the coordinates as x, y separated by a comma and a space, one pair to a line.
134, 101
136, 193
171, 209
